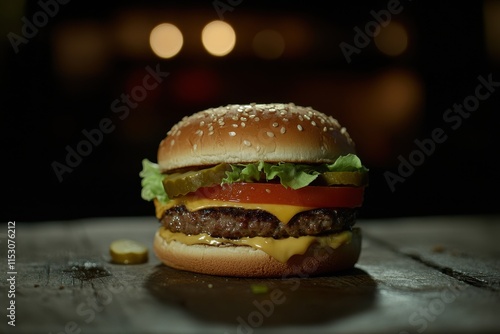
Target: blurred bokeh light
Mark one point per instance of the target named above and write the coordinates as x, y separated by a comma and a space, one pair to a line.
392, 39
166, 40
492, 28
80, 49
268, 44
218, 38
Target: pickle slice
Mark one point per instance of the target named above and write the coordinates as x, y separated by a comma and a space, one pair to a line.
345, 178
125, 251
178, 184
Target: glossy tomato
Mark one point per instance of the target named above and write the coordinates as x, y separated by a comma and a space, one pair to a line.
274, 193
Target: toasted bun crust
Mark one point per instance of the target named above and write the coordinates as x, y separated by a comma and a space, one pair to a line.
253, 132
244, 261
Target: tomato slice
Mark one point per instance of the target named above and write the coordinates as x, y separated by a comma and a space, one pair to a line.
274, 193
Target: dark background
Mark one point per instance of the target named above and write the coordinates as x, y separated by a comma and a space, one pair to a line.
65, 78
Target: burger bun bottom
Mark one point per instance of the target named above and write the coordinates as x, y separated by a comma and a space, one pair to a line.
245, 261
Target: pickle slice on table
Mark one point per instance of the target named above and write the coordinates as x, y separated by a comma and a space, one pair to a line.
345, 178
125, 251
179, 184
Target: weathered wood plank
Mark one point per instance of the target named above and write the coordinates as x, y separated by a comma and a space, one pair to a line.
466, 248
65, 281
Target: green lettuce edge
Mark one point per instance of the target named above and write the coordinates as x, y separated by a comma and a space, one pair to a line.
152, 182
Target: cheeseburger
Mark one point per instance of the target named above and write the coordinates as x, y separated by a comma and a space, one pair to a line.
256, 190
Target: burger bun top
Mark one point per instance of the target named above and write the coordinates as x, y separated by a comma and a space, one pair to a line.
274, 132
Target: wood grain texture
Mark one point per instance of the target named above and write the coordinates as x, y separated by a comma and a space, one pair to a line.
415, 275
466, 248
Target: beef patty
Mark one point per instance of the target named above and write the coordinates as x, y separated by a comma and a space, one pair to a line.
234, 223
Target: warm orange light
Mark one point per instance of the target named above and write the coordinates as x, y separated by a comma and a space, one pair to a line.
218, 38
392, 40
268, 44
491, 12
80, 49
166, 40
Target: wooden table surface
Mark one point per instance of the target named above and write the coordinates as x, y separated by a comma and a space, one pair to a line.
415, 275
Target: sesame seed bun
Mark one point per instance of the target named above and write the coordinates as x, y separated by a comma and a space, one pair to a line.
244, 261
273, 132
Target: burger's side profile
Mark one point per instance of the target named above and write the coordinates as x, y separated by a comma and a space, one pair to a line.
257, 190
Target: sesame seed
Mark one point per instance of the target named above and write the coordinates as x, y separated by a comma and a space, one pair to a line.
234, 125
232, 133
325, 129
313, 123
256, 119
343, 130
244, 119
299, 127
202, 123
282, 130
243, 124
275, 124
268, 191
247, 143
210, 133
251, 116
172, 142
195, 146
301, 118
270, 134
333, 121
285, 119
307, 117
234, 118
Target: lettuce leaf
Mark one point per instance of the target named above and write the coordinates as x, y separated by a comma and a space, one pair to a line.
291, 175
347, 163
152, 182
243, 173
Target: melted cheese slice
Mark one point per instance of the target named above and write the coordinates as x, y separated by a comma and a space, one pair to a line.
283, 212
280, 249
